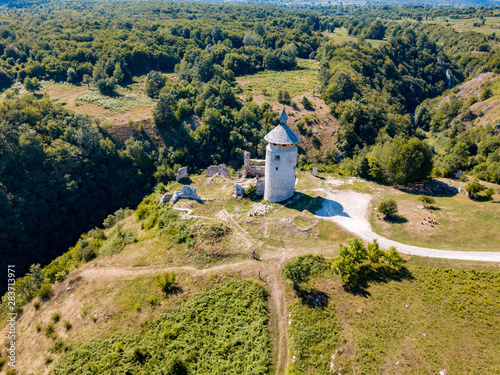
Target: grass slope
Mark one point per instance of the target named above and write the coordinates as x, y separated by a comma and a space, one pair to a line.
296, 82
222, 330
434, 319
464, 224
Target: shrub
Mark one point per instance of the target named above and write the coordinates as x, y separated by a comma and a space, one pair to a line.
283, 96
166, 282
426, 200
56, 316
388, 207
473, 187
109, 221
107, 86
88, 253
67, 325
154, 301
36, 304
306, 102
50, 330
57, 346
38, 326
48, 360
489, 193
45, 291
250, 191
302, 268
3, 361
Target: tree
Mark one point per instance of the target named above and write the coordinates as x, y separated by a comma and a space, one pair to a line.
395, 260
388, 207
374, 252
99, 72
32, 84
306, 102
300, 269
155, 81
411, 161
72, 76
473, 187
86, 80
376, 30
426, 200
118, 74
107, 86
163, 113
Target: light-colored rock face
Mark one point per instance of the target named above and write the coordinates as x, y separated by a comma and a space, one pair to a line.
280, 173
182, 173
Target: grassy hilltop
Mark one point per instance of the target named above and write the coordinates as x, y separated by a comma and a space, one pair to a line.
107, 311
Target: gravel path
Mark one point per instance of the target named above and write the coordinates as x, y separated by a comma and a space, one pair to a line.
350, 210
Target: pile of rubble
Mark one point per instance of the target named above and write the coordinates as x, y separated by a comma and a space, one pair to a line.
259, 209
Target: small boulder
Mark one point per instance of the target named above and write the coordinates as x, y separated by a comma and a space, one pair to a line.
239, 191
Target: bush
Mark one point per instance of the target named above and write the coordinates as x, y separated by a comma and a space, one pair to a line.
45, 291
56, 316
166, 282
57, 346
306, 102
283, 96
109, 221
154, 301
489, 193
250, 191
67, 325
388, 207
473, 187
426, 200
302, 268
38, 326
88, 253
3, 361
107, 86
36, 305
50, 330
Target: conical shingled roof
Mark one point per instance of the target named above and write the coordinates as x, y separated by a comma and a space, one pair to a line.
282, 134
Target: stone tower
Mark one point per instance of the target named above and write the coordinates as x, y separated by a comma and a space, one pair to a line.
281, 161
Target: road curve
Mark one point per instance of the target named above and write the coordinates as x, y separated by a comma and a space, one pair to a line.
349, 209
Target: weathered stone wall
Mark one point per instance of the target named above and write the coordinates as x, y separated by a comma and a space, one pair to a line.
280, 173
260, 187
182, 173
220, 169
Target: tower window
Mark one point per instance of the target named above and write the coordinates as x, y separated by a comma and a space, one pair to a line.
276, 157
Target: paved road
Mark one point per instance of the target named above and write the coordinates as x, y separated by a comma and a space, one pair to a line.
350, 210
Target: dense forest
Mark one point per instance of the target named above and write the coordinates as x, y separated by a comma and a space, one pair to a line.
61, 174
